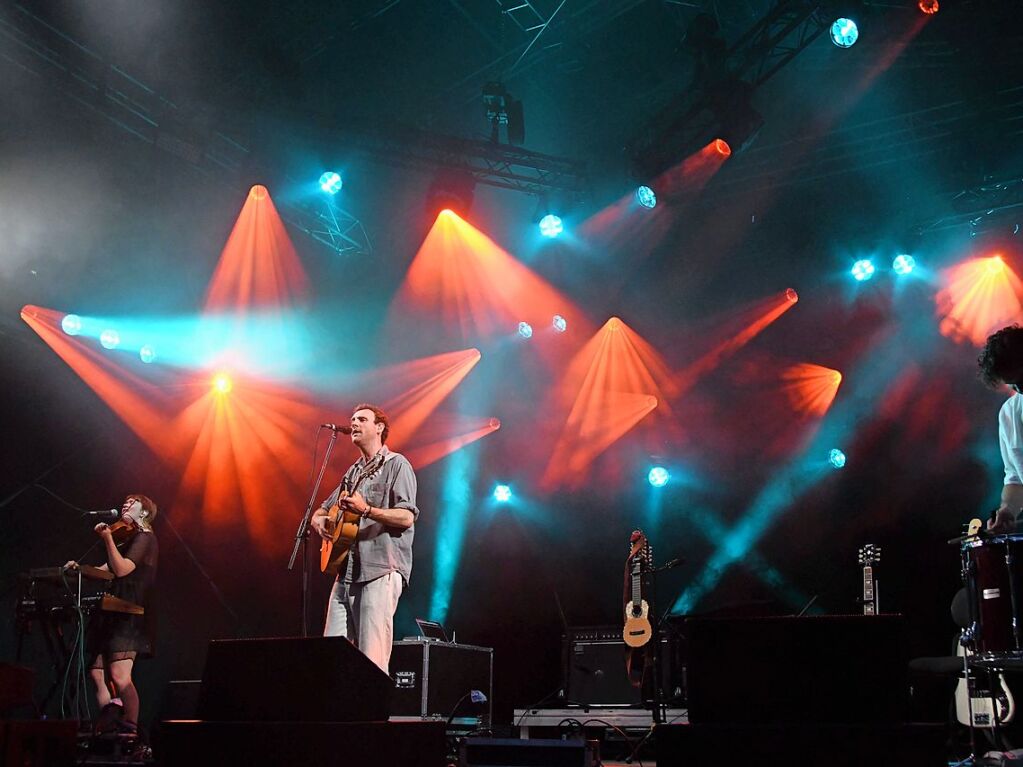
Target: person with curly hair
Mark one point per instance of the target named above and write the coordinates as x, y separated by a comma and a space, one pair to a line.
1001, 363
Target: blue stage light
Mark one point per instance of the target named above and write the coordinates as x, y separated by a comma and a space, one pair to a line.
836, 458
560, 325
71, 324
863, 269
645, 196
525, 330
658, 476
502, 493
110, 339
147, 354
330, 182
551, 226
903, 264
844, 32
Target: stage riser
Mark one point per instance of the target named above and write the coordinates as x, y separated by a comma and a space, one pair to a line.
309, 744
712, 745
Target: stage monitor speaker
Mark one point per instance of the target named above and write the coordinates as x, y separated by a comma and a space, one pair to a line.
838, 669
292, 679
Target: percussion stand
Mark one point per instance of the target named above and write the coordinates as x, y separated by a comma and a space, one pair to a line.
302, 536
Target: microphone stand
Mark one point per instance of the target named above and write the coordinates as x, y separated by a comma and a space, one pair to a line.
302, 536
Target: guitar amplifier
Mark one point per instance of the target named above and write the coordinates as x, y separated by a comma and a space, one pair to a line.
432, 677
593, 664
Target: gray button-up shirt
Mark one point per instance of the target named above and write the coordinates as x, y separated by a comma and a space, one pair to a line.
379, 549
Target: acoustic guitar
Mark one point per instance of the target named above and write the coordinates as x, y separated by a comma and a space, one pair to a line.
342, 524
637, 630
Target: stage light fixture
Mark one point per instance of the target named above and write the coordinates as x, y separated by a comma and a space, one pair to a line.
791, 295
110, 339
551, 226
330, 182
502, 493
658, 476
71, 324
903, 264
501, 108
863, 270
645, 196
560, 325
844, 33
836, 458
930, 7
525, 330
452, 189
147, 354
222, 383
722, 148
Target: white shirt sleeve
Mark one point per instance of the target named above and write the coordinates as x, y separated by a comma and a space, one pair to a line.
1010, 440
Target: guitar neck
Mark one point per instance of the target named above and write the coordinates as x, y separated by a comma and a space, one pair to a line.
869, 596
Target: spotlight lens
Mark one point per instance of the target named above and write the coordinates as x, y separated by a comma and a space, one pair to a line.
147, 354
525, 330
658, 476
222, 383
844, 32
502, 493
645, 196
551, 226
559, 323
71, 324
903, 264
109, 339
836, 458
928, 6
791, 295
330, 182
863, 270
722, 147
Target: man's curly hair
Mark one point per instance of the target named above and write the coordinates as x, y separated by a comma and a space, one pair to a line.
1001, 356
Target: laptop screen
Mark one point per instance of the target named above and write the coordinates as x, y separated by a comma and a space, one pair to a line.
431, 630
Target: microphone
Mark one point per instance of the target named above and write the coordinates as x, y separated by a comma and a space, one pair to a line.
105, 513
337, 427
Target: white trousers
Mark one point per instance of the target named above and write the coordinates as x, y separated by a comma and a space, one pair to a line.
364, 612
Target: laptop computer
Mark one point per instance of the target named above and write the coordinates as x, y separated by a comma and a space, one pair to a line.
432, 630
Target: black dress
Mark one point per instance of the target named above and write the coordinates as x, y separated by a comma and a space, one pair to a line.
115, 635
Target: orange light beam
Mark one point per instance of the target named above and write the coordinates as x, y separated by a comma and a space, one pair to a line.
258, 266
612, 383
743, 327
473, 286
141, 405
810, 388
425, 454
979, 296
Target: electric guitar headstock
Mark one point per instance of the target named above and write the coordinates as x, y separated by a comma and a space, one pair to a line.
869, 555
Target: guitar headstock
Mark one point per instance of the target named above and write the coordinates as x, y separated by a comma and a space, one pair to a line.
639, 547
869, 555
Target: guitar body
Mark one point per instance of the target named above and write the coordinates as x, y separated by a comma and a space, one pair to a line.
343, 526
978, 699
637, 631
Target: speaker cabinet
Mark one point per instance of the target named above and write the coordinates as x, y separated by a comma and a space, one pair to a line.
292, 679
837, 669
595, 673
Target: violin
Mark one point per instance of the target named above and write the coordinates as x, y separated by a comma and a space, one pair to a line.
122, 531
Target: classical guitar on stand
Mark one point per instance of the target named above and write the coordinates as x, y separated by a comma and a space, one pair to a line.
343, 524
637, 630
